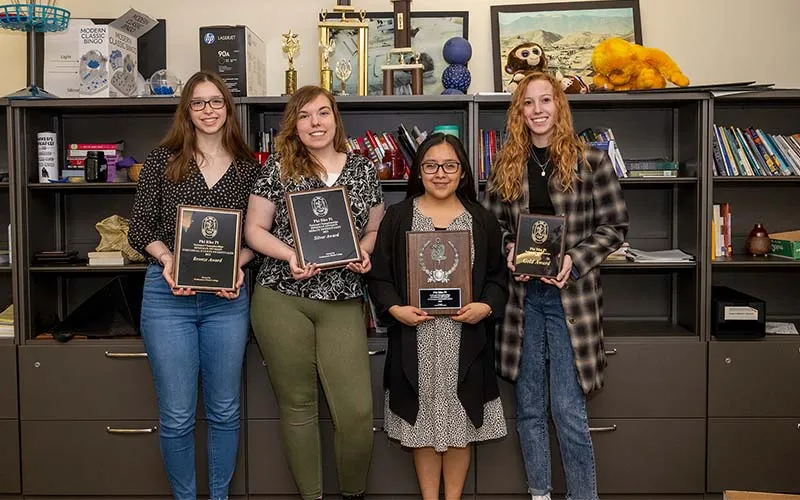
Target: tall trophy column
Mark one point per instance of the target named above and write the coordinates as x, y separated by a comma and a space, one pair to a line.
290, 44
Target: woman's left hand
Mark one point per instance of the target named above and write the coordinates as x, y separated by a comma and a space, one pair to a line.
561, 278
232, 294
472, 313
363, 266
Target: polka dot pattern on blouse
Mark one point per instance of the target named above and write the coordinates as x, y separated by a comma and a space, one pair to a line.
157, 199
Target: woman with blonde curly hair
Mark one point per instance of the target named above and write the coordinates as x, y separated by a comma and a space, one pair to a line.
543, 168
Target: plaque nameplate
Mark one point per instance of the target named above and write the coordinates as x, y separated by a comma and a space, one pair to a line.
539, 248
439, 270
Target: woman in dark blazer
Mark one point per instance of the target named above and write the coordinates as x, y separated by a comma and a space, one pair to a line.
439, 377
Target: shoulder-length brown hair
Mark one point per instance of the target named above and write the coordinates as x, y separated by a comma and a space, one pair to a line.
295, 158
181, 140
506, 176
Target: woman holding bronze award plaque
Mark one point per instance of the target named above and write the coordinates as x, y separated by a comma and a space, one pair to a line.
441, 388
543, 173
314, 198
204, 166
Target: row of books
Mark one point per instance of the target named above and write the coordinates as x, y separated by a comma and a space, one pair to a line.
491, 142
721, 231
753, 152
77, 153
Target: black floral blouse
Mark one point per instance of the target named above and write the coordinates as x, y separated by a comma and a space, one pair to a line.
157, 199
360, 178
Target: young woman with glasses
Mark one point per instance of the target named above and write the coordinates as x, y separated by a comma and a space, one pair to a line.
441, 388
205, 161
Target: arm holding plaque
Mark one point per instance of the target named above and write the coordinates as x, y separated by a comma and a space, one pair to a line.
610, 215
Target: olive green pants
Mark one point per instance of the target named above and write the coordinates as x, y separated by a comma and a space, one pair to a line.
300, 338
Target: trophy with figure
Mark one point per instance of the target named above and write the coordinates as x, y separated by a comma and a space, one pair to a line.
325, 73
290, 44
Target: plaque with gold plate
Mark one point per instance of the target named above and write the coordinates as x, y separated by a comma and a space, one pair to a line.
207, 243
439, 270
540, 245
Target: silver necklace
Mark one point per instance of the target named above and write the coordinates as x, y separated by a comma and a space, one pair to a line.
542, 166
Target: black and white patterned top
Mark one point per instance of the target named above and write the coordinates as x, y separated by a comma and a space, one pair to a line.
157, 199
360, 178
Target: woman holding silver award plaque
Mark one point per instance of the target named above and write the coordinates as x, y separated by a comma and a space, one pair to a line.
308, 320
441, 388
205, 162
544, 169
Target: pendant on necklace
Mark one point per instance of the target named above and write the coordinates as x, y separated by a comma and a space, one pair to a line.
542, 173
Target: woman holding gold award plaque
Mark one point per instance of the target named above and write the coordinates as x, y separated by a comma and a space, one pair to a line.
203, 162
544, 169
308, 320
441, 389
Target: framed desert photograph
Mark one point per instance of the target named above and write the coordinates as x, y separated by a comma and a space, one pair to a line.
429, 31
568, 32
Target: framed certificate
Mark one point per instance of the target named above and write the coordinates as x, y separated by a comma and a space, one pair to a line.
207, 243
540, 244
323, 228
439, 270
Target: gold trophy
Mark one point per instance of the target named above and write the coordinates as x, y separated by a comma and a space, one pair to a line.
290, 44
326, 74
344, 69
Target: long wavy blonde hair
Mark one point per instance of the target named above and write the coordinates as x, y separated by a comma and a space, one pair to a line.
507, 173
296, 160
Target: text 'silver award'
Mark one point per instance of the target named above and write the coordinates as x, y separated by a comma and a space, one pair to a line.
207, 242
439, 270
540, 245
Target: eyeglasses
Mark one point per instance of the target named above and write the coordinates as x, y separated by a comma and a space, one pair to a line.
449, 167
200, 104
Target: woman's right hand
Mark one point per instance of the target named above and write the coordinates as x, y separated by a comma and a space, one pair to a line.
301, 272
510, 263
166, 261
409, 315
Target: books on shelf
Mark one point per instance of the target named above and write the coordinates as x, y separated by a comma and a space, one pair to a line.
721, 245
113, 258
750, 151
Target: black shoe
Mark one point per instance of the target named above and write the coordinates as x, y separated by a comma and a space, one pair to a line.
359, 496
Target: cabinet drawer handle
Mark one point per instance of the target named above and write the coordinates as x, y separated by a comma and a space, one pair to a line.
798, 427
117, 355
146, 430
610, 428
376, 352
377, 429
611, 352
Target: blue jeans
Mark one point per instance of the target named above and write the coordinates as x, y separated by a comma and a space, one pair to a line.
548, 375
186, 336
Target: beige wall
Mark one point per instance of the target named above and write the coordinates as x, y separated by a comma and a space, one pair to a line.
711, 40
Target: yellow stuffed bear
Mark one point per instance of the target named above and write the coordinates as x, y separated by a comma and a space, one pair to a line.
622, 65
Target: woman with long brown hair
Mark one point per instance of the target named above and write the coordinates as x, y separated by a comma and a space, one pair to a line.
543, 168
203, 161
309, 322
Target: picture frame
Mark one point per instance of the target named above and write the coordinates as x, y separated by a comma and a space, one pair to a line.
430, 31
567, 31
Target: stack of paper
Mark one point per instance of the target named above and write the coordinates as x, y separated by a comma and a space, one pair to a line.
674, 255
7, 322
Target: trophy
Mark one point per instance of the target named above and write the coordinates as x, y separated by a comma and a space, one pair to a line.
290, 44
326, 74
407, 58
344, 69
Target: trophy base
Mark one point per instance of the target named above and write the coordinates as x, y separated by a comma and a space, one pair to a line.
291, 81
326, 79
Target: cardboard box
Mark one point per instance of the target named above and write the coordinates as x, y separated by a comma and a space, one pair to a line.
238, 56
106, 57
754, 495
786, 244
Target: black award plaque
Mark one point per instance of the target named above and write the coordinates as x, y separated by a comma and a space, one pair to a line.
207, 243
540, 245
323, 228
439, 270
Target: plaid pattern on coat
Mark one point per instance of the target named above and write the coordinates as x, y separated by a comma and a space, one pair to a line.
597, 223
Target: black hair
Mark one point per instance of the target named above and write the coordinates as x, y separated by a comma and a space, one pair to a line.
466, 186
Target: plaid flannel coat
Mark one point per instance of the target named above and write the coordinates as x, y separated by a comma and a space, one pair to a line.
597, 222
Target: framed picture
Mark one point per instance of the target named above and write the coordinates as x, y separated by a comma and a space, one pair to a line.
429, 32
567, 31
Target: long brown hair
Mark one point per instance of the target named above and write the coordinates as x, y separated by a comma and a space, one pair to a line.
296, 160
507, 173
181, 140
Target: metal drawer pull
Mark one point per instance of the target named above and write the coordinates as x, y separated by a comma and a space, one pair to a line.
379, 351
610, 428
798, 427
377, 429
146, 430
612, 352
110, 354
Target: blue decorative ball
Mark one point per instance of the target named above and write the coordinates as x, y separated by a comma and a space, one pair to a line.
456, 76
452, 92
457, 50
